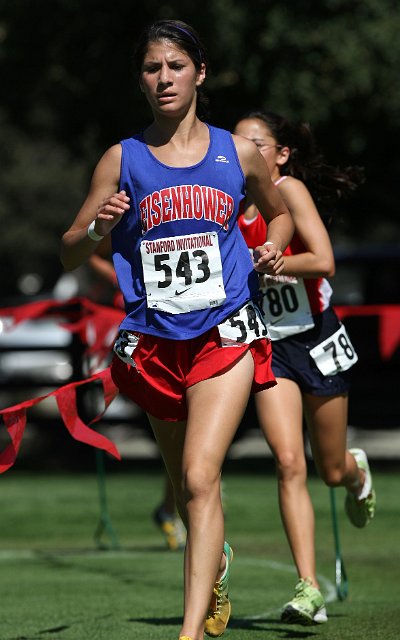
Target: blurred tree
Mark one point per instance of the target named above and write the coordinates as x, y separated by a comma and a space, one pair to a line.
69, 91
39, 181
333, 64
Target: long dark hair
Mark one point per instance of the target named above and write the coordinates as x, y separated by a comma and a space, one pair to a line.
184, 37
326, 183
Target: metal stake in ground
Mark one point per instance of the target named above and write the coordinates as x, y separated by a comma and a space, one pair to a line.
341, 581
105, 524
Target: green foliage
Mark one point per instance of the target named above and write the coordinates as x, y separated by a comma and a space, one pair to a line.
42, 186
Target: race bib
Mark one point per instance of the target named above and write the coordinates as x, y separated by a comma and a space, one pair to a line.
243, 327
125, 345
334, 354
183, 273
286, 306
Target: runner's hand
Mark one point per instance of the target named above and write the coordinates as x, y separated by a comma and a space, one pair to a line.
109, 212
268, 259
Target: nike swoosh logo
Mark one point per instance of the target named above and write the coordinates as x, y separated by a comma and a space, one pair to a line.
179, 293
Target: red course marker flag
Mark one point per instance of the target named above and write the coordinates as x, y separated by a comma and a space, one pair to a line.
15, 418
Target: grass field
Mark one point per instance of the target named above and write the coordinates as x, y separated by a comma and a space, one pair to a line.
56, 584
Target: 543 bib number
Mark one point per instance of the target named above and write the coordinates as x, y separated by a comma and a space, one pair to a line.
183, 273
243, 327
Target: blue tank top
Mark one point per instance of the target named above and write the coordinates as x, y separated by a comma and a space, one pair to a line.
181, 261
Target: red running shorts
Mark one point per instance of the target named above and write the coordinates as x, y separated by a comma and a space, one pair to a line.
166, 368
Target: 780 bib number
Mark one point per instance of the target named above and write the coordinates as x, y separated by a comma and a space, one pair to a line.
286, 307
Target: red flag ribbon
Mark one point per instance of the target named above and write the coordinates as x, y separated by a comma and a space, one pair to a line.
15, 418
388, 327
15, 423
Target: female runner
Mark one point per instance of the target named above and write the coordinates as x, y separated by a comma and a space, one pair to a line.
192, 345
311, 350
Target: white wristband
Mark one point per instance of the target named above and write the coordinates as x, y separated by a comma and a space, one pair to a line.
92, 233
268, 242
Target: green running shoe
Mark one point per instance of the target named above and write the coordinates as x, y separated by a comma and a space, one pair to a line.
361, 509
307, 606
219, 610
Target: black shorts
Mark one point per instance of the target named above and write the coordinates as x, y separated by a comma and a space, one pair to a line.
291, 358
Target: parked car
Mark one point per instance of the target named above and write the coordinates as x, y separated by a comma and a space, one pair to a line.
36, 351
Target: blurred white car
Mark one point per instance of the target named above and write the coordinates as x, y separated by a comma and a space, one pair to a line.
37, 351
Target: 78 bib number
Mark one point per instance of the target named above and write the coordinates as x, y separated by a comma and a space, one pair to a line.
334, 354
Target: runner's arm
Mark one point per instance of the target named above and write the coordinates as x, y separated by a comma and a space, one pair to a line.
104, 204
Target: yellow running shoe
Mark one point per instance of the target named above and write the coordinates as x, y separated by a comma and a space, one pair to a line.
184, 638
172, 528
220, 607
